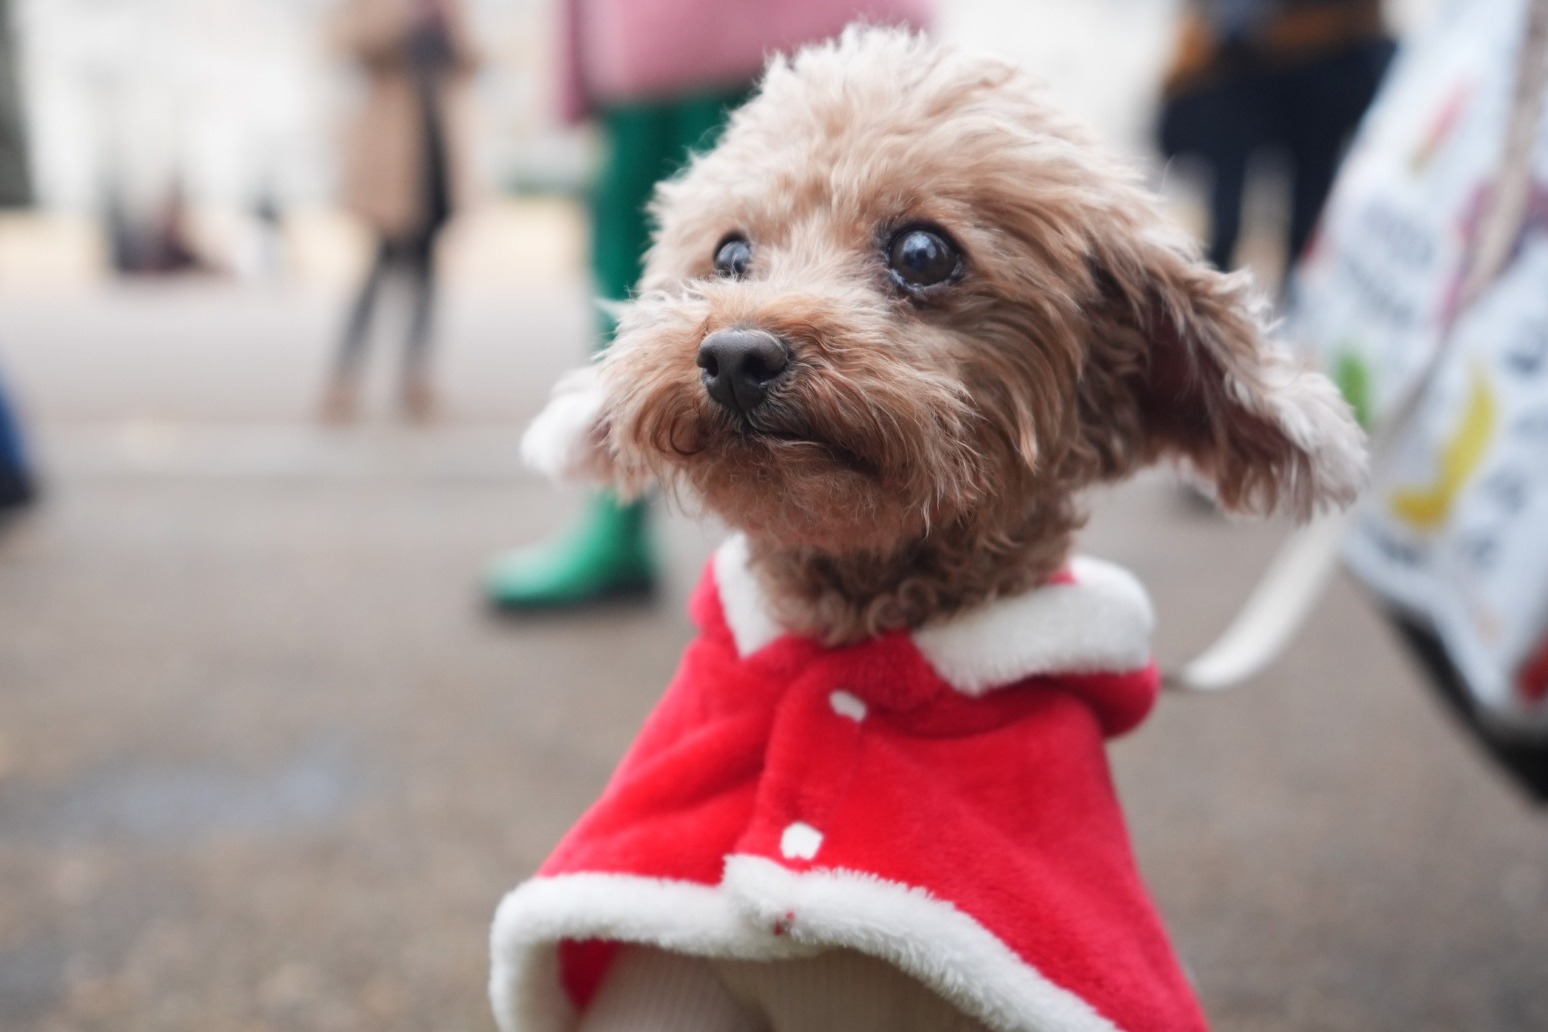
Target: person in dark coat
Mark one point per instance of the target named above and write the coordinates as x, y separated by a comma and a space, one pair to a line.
1250, 75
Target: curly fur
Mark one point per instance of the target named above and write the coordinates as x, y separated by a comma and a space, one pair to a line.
925, 456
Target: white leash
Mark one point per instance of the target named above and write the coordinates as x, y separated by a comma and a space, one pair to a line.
1272, 613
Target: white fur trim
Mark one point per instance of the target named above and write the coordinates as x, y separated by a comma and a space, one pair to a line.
908, 927
1101, 623
559, 441
763, 911
741, 599
701, 920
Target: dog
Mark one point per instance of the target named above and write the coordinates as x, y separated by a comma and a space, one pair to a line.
890, 329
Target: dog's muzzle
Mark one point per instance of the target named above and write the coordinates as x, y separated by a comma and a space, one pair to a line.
740, 367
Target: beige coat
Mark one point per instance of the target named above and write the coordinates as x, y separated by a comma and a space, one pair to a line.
384, 159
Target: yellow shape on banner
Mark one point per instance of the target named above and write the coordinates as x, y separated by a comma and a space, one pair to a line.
1426, 508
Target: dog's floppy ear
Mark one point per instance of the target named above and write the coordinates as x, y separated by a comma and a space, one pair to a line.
1215, 390
568, 439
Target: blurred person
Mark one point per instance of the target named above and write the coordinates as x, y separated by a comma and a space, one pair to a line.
659, 78
155, 242
1248, 75
16, 484
407, 171
169, 244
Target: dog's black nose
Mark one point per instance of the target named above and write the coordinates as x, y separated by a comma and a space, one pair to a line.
740, 367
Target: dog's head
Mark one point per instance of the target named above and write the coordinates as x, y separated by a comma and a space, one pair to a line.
902, 293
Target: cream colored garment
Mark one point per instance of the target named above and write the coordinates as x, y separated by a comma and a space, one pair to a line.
653, 990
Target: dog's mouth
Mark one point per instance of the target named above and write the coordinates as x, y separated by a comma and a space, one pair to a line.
838, 454
753, 431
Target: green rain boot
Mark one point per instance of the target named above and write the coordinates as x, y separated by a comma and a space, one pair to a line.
606, 557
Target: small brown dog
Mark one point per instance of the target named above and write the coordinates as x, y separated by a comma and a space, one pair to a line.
891, 328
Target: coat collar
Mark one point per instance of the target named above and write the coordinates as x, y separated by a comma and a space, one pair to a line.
1098, 621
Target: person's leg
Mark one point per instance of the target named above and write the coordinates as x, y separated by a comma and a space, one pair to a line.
340, 400
1227, 187
1314, 120
1214, 126
1232, 135
607, 553
1322, 105
651, 990
648, 143
418, 395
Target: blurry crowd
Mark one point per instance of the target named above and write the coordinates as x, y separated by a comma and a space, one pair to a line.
655, 77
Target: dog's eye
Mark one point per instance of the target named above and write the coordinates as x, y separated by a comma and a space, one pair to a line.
922, 257
732, 257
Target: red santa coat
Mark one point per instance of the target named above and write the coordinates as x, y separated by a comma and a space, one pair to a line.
940, 800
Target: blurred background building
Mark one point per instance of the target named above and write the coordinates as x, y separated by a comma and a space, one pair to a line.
236, 104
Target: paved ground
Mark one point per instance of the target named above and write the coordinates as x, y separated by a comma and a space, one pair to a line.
266, 763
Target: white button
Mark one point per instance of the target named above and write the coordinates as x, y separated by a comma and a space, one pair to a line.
800, 841
847, 704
